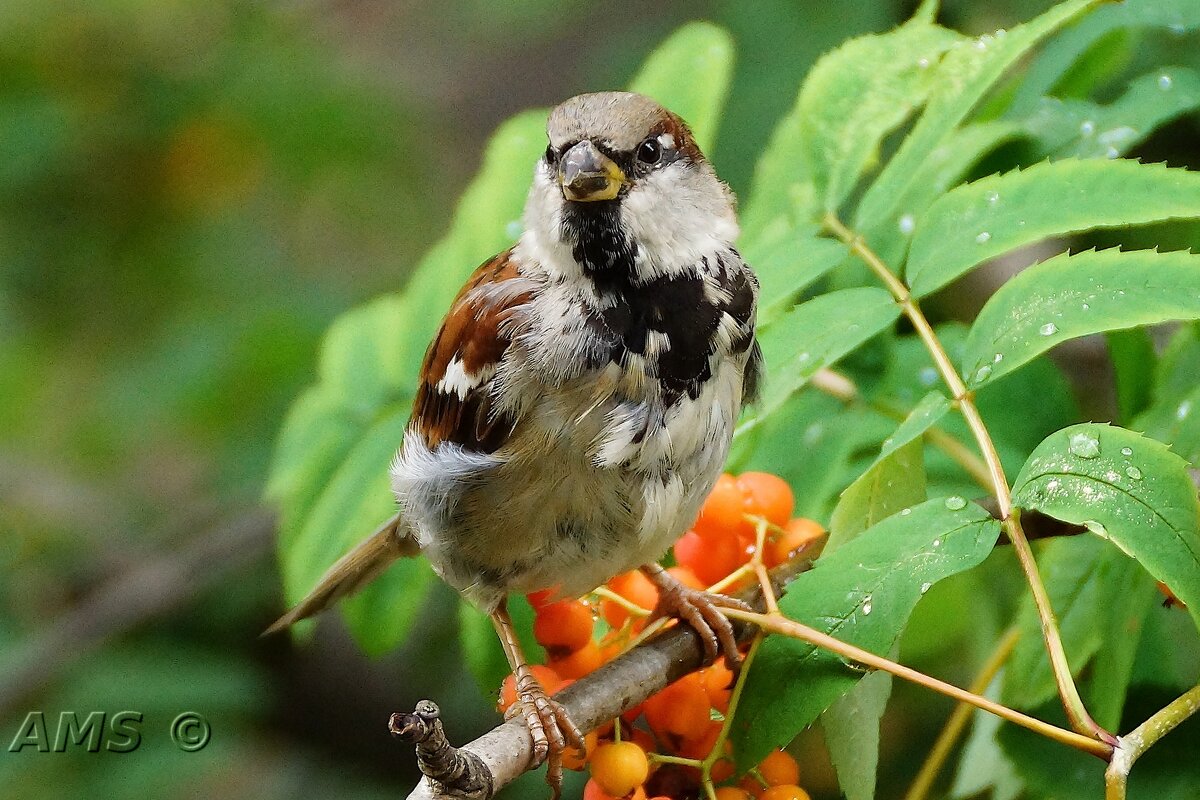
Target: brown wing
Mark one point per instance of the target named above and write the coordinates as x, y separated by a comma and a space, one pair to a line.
454, 401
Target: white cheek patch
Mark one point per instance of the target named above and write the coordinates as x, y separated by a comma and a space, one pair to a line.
667, 141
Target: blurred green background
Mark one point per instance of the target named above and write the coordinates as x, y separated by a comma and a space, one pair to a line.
189, 193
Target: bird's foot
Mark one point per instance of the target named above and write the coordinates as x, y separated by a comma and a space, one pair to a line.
700, 609
549, 727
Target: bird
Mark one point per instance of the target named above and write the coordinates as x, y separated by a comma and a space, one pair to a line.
578, 403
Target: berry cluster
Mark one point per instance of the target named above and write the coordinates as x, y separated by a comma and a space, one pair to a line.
650, 752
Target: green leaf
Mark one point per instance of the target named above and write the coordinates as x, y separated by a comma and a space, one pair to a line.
1171, 417
1084, 129
851, 728
787, 260
689, 73
1124, 487
945, 167
894, 482
1133, 359
1081, 574
816, 334
381, 615
1069, 296
989, 217
1112, 669
862, 593
1058, 56
857, 94
829, 432
924, 416
964, 76
782, 192
983, 765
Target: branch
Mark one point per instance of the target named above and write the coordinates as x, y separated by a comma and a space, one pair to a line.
1131, 746
502, 755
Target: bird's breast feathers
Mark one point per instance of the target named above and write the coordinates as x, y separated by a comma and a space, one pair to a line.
574, 418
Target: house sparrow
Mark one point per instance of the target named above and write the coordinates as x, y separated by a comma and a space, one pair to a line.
578, 403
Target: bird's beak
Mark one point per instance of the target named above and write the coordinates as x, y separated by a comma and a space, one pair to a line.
586, 174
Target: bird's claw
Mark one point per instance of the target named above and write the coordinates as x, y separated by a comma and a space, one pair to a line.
700, 609
550, 729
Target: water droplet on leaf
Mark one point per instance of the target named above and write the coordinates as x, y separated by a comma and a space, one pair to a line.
1134, 473
1126, 451
925, 587
907, 224
1165, 82
983, 238
1084, 445
1087, 127
955, 503
982, 374
1049, 329
866, 606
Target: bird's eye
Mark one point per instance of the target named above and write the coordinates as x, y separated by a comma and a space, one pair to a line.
551, 155
649, 151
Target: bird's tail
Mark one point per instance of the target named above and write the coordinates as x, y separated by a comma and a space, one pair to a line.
354, 570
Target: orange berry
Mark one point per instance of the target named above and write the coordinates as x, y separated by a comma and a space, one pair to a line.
700, 745
542, 597
632, 714
722, 770
779, 769
686, 576
547, 677
721, 515
642, 739
573, 759
592, 791
563, 627
751, 786
584, 660
798, 534
766, 495
680, 710
785, 791
711, 559
718, 685
731, 793
619, 767
634, 587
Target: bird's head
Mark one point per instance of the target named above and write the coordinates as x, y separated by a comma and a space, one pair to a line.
624, 185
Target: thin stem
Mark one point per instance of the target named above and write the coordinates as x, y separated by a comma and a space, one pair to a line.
959, 718
1131, 746
796, 630
1077, 713
837, 385
631, 607
662, 758
718, 748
